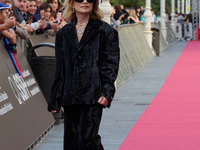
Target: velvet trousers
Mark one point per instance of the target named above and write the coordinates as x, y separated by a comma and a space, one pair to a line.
81, 126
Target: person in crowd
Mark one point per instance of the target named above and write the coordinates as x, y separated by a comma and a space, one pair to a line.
153, 17
180, 18
20, 31
169, 17
46, 26
115, 23
37, 13
87, 63
9, 34
138, 11
19, 7
142, 18
9, 23
38, 16
127, 9
47, 13
119, 12
188, 19
158, 18
56, 5
132, 17
26, 6
31, 10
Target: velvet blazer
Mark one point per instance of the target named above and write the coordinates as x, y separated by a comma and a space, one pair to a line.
87, 69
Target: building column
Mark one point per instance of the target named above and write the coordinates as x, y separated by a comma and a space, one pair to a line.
163, 17
173, 15
187, 6
179, 6
183, 8
147, 25
107, 10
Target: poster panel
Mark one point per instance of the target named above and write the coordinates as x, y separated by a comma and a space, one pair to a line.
23, 108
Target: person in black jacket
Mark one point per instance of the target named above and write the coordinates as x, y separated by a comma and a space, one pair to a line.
87, 63
119, 12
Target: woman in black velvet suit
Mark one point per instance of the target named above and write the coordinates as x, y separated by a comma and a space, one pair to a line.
87, 62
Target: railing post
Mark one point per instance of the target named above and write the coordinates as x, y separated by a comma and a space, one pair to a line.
107, 9
147, 25
179, 6
183, 8
163, 17
173, 15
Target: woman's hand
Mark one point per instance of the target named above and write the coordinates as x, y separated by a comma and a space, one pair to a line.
103, 101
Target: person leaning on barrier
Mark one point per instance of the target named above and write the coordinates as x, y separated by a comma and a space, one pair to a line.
180, 18
142, 18
9, 23
132, 17
120, 14
115, 23
188, 19
87, 63
26, 6
138, 10
9, 34
31, 11
20, 31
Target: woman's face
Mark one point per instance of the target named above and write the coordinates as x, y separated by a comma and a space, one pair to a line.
26, 6
32, 7
83, 8
54, 5
47, 13
8, 10
138, 10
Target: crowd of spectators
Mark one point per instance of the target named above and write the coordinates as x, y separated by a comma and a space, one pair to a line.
23, 16
183, 18
33, 15
126, 16
132, 15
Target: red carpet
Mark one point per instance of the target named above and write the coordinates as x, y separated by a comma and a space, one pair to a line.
172, 120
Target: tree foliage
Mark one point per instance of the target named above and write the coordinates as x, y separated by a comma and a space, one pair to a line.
155, 4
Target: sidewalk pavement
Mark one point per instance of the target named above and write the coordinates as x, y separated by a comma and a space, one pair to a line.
131, 99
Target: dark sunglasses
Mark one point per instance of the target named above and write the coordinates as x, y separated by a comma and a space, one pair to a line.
89, 1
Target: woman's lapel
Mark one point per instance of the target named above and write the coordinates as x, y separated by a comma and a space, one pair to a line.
90, 30
70, 34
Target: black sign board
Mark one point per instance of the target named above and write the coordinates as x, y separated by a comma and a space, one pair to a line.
23, 108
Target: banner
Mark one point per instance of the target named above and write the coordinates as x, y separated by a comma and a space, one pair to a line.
23, 108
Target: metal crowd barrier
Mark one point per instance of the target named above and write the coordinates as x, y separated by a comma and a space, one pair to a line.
135, 52
184, 31
171, 36
188, 31
178, 30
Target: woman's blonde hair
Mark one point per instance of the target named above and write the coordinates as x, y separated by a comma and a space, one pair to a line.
68, 16
132, 13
